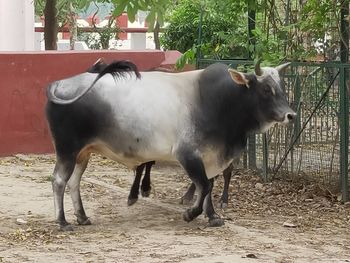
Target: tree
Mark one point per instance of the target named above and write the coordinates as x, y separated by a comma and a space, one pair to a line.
60, 12
72, 25
50, 29
291, 29
110, 30
155, 17
224, 34
287, 29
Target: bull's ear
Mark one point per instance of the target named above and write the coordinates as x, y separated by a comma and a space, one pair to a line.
282, 68
238, 77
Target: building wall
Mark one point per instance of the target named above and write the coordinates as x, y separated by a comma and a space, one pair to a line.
16, 25
24, 78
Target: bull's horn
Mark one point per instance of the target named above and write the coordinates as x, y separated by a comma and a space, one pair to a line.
100, 60
282, 67
258, 70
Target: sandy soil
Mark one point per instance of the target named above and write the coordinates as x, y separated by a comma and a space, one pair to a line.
152, 230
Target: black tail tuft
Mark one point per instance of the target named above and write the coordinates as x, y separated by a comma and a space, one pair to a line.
118, 68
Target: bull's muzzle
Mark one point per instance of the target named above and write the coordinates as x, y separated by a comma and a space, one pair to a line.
289, 117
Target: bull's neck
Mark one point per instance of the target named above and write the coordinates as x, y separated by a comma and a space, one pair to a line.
229, 118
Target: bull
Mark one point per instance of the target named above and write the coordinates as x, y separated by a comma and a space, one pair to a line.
200, 119
98, 67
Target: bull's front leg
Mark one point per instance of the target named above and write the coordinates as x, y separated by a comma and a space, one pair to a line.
189, 195
193, 165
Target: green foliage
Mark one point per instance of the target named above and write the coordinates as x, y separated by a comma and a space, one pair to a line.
156, 9
188, 57
290, 29
283, 29
223, 33
267, 48
98, 40
315, 17
63, 8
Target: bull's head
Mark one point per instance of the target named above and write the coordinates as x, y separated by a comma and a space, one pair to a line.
266, 90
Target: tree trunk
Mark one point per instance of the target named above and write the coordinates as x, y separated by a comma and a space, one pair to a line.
73, 28
344, 32
51, 26
156, 35
251, 28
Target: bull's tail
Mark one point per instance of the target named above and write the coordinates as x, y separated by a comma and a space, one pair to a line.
117, 69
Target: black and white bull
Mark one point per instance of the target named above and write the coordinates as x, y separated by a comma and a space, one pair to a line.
200, 119
98, 67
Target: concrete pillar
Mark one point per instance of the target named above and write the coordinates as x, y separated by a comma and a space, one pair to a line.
16, 25
138, 40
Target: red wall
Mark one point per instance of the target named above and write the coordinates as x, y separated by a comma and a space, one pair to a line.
122, 21
23, 81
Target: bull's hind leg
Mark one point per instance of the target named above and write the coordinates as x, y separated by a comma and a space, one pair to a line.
146, 181
74, 188
227, 178
214, 218
134, 191
194, 167
62, 172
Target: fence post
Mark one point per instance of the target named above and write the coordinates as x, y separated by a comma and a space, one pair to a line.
265, 157
252, 151
297, 107
344, 134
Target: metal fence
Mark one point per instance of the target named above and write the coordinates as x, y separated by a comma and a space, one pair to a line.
316, 147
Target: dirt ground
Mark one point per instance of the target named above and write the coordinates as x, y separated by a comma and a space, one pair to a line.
282, 221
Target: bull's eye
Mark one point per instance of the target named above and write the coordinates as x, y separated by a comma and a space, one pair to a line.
269, 90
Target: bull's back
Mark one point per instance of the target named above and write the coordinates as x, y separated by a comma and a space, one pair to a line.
131, 119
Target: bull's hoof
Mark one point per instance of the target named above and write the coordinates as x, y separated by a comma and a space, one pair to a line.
191, 214
188, 216
215, 222
145, 193
84, 221
66, 227
132, 201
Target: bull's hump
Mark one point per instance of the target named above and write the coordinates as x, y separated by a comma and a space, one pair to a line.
214, 72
